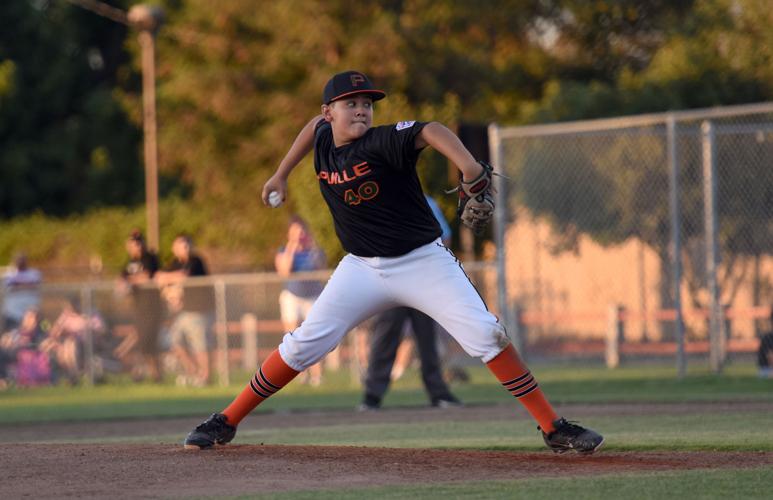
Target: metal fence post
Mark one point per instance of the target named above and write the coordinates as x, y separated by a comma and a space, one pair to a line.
716, 335
86, 310
519, 329
249, 325
221, 320
500, 222
614, 335
676, 244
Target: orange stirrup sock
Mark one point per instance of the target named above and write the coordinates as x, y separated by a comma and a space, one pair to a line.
272, 375
517, 379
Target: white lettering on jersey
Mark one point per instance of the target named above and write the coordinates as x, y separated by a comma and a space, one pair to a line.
402, 125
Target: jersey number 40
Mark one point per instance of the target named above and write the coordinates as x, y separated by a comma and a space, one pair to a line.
366, 191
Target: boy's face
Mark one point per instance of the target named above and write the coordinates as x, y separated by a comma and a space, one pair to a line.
298, 234
350, 117
180, 248
133, 248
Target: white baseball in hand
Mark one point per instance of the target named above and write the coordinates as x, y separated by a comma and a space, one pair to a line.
274, 199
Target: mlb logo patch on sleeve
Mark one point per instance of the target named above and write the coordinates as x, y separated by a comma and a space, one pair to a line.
402, 125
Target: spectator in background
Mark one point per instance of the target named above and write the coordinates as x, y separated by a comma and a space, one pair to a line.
21, 360
386, 336
765, 352
136, 276
66, 340
300, 253
21, 292
192, 307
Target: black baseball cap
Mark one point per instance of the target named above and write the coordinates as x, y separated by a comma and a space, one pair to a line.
349, 83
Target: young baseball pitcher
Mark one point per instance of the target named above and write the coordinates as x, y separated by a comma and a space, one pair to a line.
368, 178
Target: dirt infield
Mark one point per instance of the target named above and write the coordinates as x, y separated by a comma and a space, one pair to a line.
117, 471
46, 460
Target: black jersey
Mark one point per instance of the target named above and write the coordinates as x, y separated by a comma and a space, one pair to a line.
373, 190
197, 298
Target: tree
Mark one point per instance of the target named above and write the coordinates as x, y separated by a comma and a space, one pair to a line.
65, 142
631, 57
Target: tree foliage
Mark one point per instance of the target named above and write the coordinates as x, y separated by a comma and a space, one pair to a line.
239, 86
65, 141
610, 185
238, 79
626, 57
644, 57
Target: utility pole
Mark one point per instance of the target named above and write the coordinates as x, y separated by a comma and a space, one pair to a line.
147, 20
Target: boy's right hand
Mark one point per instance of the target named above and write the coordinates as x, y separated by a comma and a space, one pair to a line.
277, 184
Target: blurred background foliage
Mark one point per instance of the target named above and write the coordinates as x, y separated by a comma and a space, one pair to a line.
238, 79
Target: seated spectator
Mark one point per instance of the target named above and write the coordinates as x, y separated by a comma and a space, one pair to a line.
22, 360
66, 339
21, 292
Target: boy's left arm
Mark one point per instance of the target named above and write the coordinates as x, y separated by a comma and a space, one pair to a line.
476, 199
448, 144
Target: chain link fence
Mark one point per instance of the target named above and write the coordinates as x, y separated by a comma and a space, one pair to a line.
92, 330
640, 236
650, 234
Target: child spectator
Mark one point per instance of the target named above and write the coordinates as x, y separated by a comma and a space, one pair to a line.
22, 360
66, 339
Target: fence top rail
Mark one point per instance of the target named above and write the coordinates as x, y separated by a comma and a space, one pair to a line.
209, 280
226, 279
512, 132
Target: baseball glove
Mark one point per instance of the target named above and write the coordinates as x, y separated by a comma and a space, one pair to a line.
476, 200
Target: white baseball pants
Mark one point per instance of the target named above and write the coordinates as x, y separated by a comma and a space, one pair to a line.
428, 278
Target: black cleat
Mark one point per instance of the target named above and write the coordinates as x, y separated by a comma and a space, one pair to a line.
370, 403
365, 408
446, 402
569, 436
214, 430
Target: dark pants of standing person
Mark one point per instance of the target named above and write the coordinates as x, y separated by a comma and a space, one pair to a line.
765, 355
386, 334
147, 321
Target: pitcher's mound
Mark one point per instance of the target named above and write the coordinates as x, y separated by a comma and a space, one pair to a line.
128, 470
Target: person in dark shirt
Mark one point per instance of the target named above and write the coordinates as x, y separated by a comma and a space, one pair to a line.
192, 306
368, 179
138, 275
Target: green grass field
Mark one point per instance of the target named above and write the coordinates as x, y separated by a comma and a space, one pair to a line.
749, 484
563, 384
726, 431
